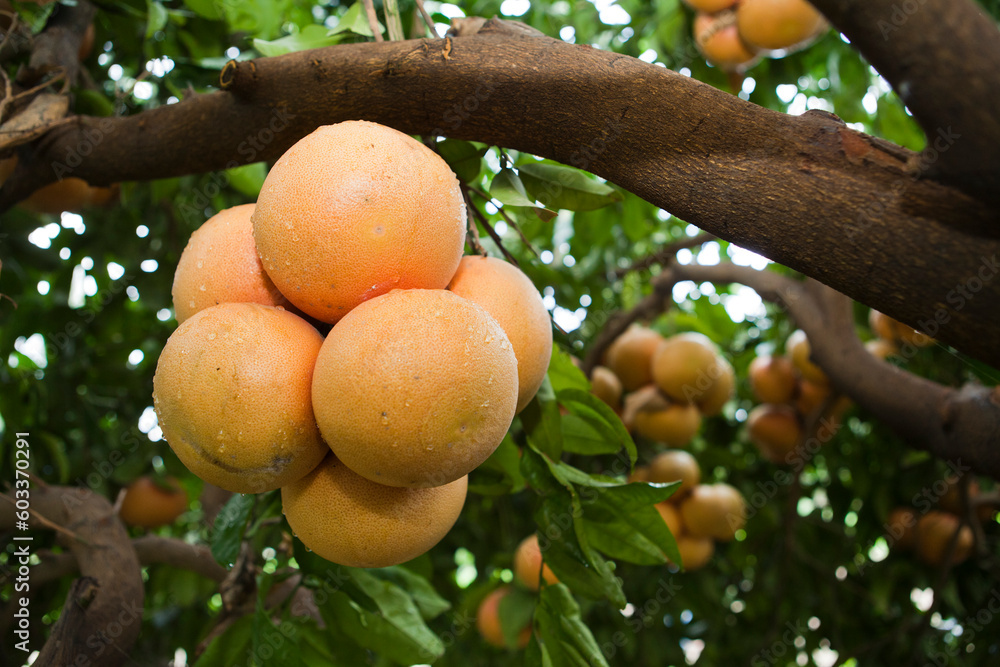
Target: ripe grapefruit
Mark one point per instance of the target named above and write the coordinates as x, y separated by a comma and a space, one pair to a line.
353, 521
718, 39
488, 620
528, 564
675, 466
355, 210
778, 24
606, 386
713, 510
149, 504
220, 265
630, 356
415, 388
511, 298
775, 429
772, 379
232, 392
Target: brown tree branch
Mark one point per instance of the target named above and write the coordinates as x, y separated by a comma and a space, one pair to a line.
665, 254
805, 191
102, 616
57, 47
943, 59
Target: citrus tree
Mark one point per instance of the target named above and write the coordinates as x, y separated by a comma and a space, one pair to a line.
739, 449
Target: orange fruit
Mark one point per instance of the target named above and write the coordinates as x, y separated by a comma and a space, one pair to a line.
147, 504
220, 265
528, 564
720, 391
415, 388
511, 298
775, 429
934, 533
695, 551
639, 474
232, 392
778, 24
718, 39
488, 620
355, 210
811, 396
69, 194
606, 386
671, 517
713, 510
675, 466
894, 331
646, 399
772, 379
880, 348
630, 356
674, 426
686, 366
800, 353
352, 521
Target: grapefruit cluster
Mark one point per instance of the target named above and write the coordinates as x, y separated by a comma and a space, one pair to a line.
928, 530
791, 390
664, 386
697, 514
370, 430
736, 34
529, 573
893, 337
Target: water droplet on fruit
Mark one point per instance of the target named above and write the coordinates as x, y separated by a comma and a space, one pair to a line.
430, 448
190, 304
211, 336
202, 288
201, 264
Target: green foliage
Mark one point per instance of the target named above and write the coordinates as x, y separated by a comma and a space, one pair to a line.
93, 310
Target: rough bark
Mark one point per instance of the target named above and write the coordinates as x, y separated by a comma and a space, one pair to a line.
102, 616
805, 191
942, 58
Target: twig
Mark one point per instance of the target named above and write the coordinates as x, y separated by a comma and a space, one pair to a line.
506, 216
373, 19
666, 253
489, 228
47, 523
427, 17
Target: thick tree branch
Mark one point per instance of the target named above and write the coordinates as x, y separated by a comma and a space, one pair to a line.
103, 612
943, 59
805, 191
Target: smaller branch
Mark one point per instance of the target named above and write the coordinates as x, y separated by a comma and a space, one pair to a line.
373, 19
488, 227
427, 18
667, 253
47, 523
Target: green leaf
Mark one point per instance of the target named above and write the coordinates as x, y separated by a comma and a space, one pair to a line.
584, 435
623, 523
559, 186
230, 647
430, 604
227, 532
500, 474
157, 18
541, 421
395, 629
600, 415
508, 189
248, 178
563, 633
208, 9
515, 612
465, 158
309, 37
355, 20
564, 374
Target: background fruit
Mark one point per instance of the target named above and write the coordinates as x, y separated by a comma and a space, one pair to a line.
671, 516
775, 429
695, 551
811, 397
675, 466
798, 350
934, 534
353, 211
675, 426
711, 6
713, 510
685, 366
901, 525
772, 379
69, 194
352, 521
778, 24
528, 564
514, 302
606, 386
488, 620
718, 39
232, 392
630, 356
220, 265
147, 504
894, 331
415, 388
